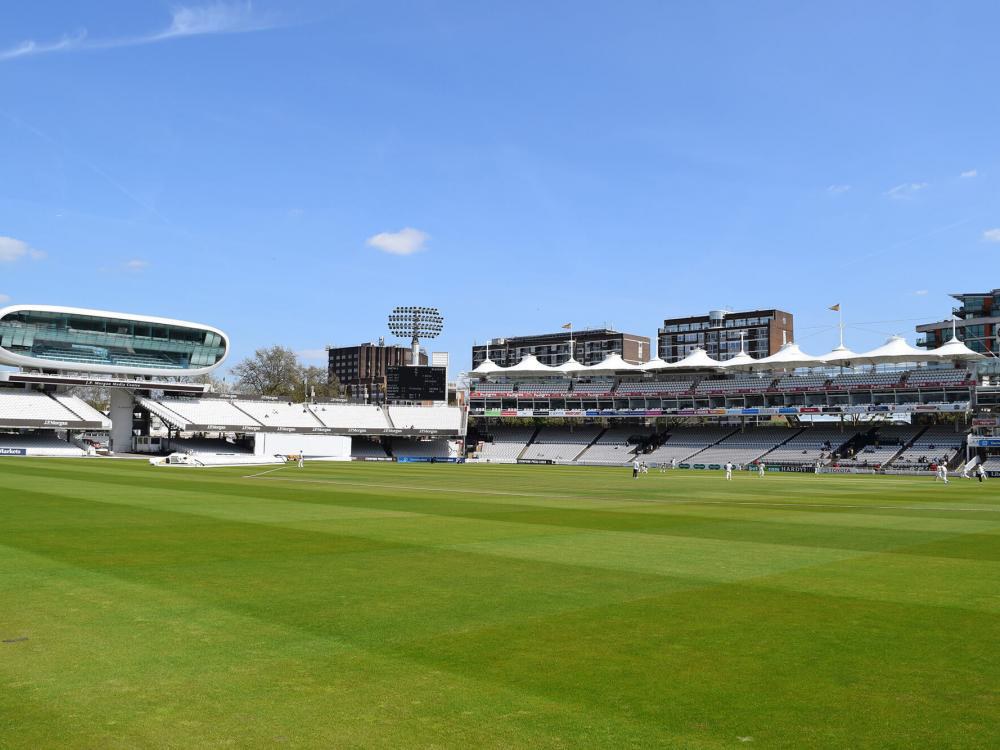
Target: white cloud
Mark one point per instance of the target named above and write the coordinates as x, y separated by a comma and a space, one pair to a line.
970, 173
214, 18
404, 242
11, 250
837, 189
4, 298
136, 264
920, 292
992, 235
906, 190
313, 355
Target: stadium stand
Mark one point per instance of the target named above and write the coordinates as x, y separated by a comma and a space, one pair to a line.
811, 445
881, 445
594, 387
547, 388
801, 383
937, 443
506, 445
343, 416
561, 443
991, 464
492, 389
930, 376
743, 448
865, 380
283, 413
181, 412
683, 442
655, 387
426, 417
32, 405
82, 409
616, 446
39, 443
739, 384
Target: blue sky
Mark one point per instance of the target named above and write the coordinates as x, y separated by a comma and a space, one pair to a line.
289, 171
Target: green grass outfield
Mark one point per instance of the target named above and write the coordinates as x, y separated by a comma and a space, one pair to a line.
367, 605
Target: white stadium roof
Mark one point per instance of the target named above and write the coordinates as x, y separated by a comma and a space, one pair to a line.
894, 351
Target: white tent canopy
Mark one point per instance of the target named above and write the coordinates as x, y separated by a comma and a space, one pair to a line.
530, 365
741, 361
840, 356
698, 359
611, 364
953, 349
788, 357
896, 350
570, 367
654, 365
487, 367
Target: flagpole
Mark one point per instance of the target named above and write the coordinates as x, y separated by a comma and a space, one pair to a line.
840, 324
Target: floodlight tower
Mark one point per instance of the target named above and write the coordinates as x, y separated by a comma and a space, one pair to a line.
416, 323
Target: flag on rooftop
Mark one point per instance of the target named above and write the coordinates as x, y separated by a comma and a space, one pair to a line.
836, 308
567, 325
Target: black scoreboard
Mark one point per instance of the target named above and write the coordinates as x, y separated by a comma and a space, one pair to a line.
415, 384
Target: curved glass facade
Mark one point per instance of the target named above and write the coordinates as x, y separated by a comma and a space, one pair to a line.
109, 343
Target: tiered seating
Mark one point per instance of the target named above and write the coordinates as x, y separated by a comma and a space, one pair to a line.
561, 443
39, 444
17, 404
410, 448
279, 413
811, 445
927, 377
507, 444
744, 448
938, 443
801, 383
492, 389
82, 409
992, 463
362, 447
595, 387
426, 417
199, 411
686, 441
545, 388
653, 387
616, 446
343, 416
885, 444
739, 384
864, 380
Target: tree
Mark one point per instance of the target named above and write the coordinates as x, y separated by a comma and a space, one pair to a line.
277, 371
272, 371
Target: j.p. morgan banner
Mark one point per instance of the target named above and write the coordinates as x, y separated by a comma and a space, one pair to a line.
52, 424
322, 430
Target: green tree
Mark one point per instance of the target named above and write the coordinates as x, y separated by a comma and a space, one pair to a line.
271, 371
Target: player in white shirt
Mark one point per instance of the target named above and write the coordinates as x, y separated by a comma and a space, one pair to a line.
943, 473
965, 471
729, 470
761, 469
302, 460
980, 473
635, 469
